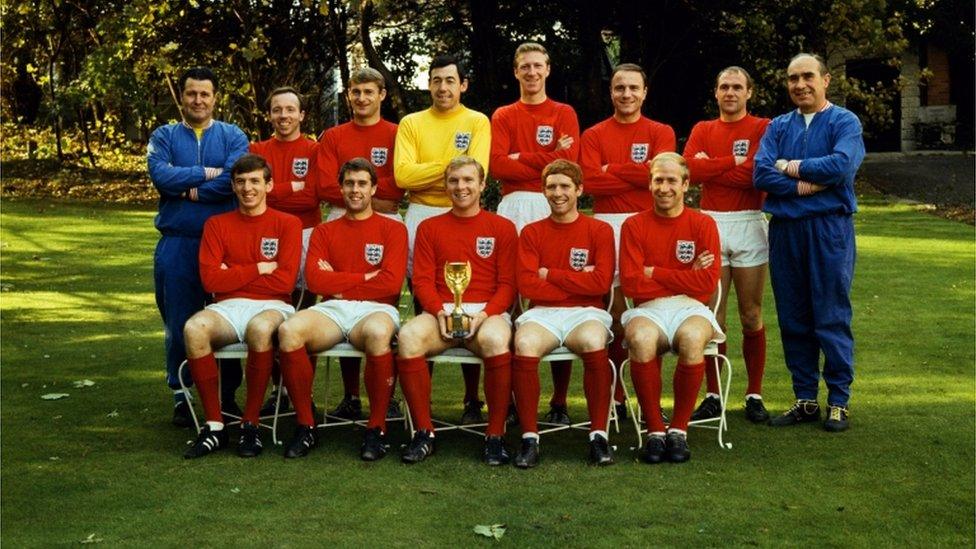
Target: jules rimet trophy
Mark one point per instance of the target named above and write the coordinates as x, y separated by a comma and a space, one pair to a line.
457, 276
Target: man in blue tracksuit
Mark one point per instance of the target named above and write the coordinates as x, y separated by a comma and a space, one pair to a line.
806, 163
189, 164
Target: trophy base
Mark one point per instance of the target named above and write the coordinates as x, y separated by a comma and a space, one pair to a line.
459, 326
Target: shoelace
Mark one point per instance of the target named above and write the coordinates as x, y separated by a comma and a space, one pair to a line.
835, 413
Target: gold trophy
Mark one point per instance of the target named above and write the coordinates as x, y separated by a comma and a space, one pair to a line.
457, 276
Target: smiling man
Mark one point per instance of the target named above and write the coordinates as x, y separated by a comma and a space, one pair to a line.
806, 164
719, 154
667, 267
466, 233
249, 261
357, 263
189, 164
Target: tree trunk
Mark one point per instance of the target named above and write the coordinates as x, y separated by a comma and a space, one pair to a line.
83, 120
485, 51
367, 15
338, 24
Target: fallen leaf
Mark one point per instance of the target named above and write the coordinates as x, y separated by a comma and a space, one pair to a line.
54, 396
91, 539
235, 490
495, 531
54, 458
113, 413
83, 383
23, 385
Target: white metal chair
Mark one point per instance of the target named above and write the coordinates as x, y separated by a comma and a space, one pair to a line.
719, 422
455, 355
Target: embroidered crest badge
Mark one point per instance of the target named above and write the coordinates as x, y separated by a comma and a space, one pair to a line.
578, 257
544, 135
684, 250
374, 254
299, 167
638, 152
485, 246
462, 140
740, 147
378, 156
269, 248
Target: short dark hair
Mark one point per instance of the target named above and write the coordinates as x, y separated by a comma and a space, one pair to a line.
629, 67
199, 73
446, 61
281, 91
561, 166
358, 164
733, 69
249, 163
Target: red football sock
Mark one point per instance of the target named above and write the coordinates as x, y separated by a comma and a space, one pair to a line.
415, 383
525, 385
472, 373
498, 392
754, 354
379, 381
257, 372
296, 370
597, 379
205, 376
711, 376
350, 375
647, 384
562, 372
687, 381
618, 354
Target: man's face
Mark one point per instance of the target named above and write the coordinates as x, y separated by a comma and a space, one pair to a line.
198, 100
627, 91
808, 88
357, 190
668, 187
251, 189
366, 99
464, 187
286, 115
562, 193
446, 88
531, 71
732, 93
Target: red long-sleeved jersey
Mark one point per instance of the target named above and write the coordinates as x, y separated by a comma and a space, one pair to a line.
487, 240
565, 249
625, 150
354, 248
670, 245
725, 186
292, 161
241, 242
347, 141
532, 131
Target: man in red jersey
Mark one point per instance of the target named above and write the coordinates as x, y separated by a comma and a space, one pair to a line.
249, 261
357, 263
615, 154
719, 154
565, 269
525, 137
667, 267
371, 137
466, 233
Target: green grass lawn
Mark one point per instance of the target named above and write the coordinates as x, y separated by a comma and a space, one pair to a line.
77, 304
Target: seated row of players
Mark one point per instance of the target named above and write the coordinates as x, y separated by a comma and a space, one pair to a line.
562, 264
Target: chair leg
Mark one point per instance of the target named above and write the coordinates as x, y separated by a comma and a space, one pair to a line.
724, 399
274, 422
613, 389
186, 395
634, 410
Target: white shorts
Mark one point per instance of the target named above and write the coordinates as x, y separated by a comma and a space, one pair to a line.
416, 213
561, 321
471, 308
346, 313
616, 221
524, 207
668, 313
335, 212
744, 236
240, 310
306, 236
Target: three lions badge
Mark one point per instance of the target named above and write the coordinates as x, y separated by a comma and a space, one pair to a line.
638, 152
299, 167
378, 156
462, 140
269, 248
684, 250
485, 246
740, 147
544, 135
374, 254
578, 258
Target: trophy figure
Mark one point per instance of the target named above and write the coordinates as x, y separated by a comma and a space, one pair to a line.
457, 276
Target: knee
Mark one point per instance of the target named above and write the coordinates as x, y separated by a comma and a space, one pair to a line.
377, 335
638, 340
592, 341
410, 342
493, 341
196, 331
259, 331
691, 346
290, 336
526, 345
751, 318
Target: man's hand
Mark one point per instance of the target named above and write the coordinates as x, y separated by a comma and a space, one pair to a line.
384, 206
297, 186
476, 320
604, 167
514, 156
325, 266
805, 188
565, 142
267, 267
740, 160
543, 273
704, 260
193, 194
701, 155
371, 275
224, 267
648, 272
589, 268
212, 173
442, 316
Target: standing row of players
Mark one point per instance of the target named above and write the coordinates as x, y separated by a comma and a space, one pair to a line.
522, 139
